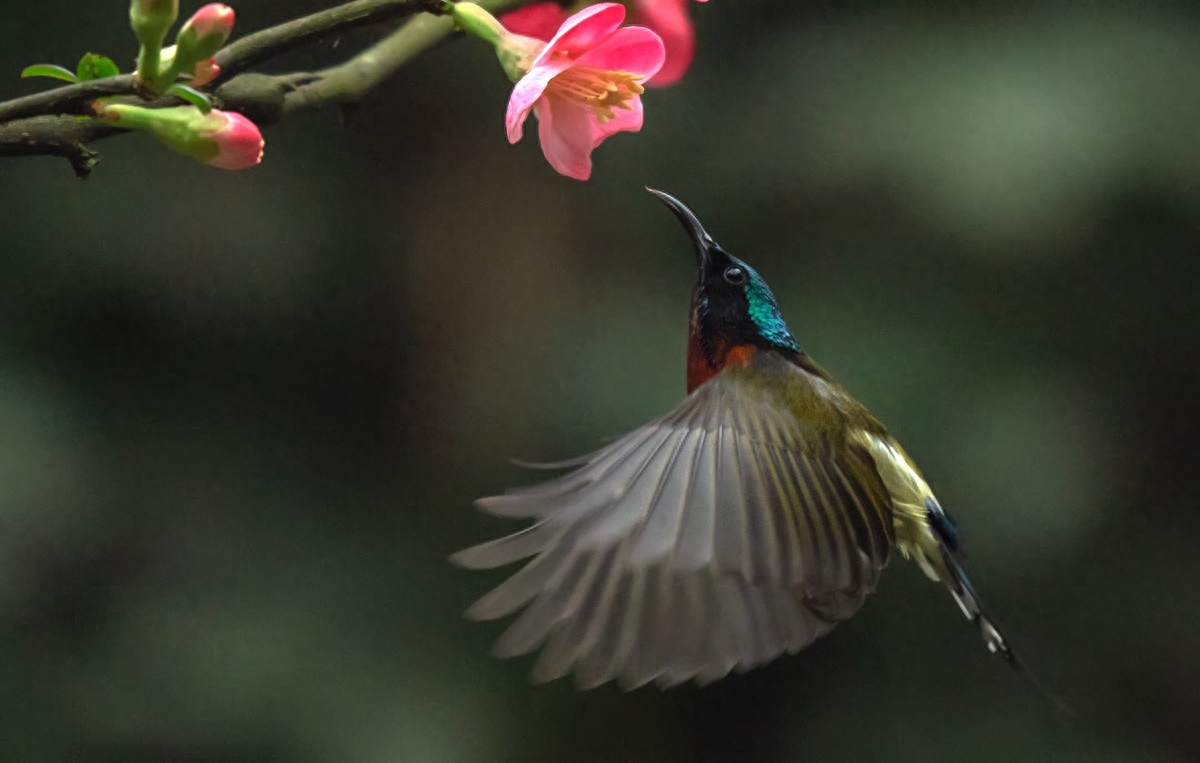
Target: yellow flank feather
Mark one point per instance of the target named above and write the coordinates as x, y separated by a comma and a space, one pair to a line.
908, 490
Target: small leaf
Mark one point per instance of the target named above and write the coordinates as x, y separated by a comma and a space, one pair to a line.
94, 66
53, 71
192, 96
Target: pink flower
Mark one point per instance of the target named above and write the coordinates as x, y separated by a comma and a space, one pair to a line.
239, 142
540, 20
583, 85
667, 18
670, 19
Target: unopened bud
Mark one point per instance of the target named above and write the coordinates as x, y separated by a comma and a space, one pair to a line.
205, 32
223, 139
239, 142
151, 19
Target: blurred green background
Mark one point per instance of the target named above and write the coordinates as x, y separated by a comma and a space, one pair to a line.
243, 415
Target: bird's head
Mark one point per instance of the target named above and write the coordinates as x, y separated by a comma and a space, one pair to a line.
734, 313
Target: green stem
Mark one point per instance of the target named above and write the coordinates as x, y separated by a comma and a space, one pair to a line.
149, 59
167, 77
130, 117
350, 82
476, 21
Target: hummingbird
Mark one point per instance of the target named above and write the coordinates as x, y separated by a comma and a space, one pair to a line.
743, 524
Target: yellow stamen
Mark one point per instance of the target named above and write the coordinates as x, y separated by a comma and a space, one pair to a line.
601, 90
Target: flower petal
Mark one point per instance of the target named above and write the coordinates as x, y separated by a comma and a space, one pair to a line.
633, 49
625, 121
670, 20
527, 91
565, 129
583, 31
540, 20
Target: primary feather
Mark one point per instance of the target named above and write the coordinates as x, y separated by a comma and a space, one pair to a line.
715, 538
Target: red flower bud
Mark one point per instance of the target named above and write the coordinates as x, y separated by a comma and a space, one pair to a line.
239, 142
205, 32
223, 139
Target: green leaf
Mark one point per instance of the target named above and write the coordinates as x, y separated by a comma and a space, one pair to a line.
53, 71
192, 96
94, 66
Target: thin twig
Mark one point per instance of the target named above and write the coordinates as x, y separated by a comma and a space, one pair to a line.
252, 50
234, 58
350, 82
38, 125
69, 99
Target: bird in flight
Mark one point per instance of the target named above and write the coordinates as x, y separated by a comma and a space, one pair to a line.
745, 523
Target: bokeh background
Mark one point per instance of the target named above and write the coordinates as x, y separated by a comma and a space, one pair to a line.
243, 415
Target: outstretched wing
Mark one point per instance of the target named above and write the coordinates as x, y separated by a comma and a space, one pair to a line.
714, 538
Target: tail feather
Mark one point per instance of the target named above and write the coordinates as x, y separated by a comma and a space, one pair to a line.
927, 535
968, 600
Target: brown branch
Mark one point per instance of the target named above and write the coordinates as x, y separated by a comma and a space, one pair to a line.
69, 99
38, 125
254, 49
63, 136
234, 58
347, 84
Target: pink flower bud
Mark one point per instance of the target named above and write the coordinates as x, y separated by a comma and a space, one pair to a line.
205, 32
213, 18
223, 139
239, 142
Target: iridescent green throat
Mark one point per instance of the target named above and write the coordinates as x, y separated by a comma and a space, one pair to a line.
765, 314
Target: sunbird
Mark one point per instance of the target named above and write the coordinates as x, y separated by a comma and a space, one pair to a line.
745, 523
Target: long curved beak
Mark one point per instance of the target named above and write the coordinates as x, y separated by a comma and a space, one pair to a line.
704, 242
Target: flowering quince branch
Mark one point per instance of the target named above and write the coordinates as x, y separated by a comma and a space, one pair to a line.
65, 120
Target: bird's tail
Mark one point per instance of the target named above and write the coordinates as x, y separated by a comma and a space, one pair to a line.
926, 534
968, 600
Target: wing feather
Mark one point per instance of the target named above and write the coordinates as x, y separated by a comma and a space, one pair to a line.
716, 538
660, 533
519, 589
823, 537
729, 521
694, 547
642, 664
628, 505
551, 605
570, 638
599, 665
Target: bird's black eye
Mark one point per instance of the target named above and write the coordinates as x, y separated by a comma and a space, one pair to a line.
735, 275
